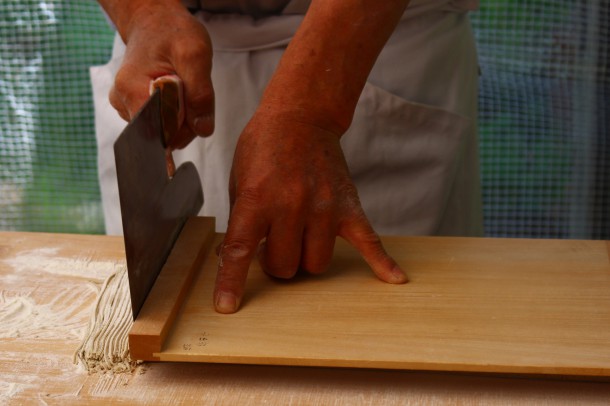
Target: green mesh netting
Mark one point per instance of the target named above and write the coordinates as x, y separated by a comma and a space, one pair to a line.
544, 97
48, 175
543, 116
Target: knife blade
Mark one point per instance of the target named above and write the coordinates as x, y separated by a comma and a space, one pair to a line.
155, 203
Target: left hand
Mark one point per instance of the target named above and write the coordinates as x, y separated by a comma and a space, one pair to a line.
290, 187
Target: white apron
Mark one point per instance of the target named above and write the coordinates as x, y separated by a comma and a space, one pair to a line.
412, 148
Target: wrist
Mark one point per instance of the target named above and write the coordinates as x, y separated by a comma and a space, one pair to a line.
310, 102
127, 15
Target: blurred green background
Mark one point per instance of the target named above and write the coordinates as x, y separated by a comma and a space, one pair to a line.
543, 116
48, 175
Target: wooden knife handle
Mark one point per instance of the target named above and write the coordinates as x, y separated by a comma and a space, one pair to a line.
172, 105
172, 113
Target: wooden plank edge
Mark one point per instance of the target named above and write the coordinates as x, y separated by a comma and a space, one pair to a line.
548, 371
159, 311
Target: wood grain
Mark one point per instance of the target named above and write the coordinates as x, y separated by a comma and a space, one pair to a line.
173, 283
49, 270
473, 304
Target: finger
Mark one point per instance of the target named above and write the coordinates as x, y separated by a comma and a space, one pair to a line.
116, 101
129, 92
194, 66
200, 108
280, 254
232, 189
318, 245
182, 138
359, 233
245, 230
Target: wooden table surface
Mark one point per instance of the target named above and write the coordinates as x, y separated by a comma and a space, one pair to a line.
49, 282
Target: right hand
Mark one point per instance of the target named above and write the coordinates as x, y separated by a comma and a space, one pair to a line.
167, 40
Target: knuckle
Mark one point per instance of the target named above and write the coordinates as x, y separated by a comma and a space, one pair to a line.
376, 246
293, 199
236, 250
347, 189
123, 95
117, 103
191, 52
260, 197
185, 48
349, 198
357, 228
250, 197
370, 238
324, 201
123, 82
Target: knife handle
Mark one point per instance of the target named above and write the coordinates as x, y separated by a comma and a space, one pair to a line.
172, 113
172, 105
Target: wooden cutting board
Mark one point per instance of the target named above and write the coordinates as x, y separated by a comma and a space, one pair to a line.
472, 304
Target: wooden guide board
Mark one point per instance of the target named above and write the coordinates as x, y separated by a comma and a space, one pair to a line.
472, 304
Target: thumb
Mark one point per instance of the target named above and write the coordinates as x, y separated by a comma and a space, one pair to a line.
359, 233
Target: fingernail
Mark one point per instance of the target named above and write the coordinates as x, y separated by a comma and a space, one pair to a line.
204, 125
398, 275
226, 303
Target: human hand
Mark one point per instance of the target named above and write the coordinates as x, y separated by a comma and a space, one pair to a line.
290, 187
166, 40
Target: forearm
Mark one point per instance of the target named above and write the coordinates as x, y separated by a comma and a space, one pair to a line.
123, 13
325, 67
